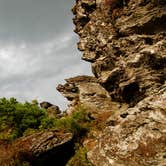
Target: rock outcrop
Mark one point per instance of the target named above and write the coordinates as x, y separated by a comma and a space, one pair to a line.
126, 45
86, 90
53, 111
42, 148
125, 41
137, 136
45, 104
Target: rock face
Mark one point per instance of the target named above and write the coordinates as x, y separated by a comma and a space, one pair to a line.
86, 90
42, 148
137, 136
125, 41
126, 45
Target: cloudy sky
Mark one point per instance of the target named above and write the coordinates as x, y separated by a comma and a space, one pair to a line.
37, 49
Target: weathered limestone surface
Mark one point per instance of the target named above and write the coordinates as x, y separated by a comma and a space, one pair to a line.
126, 45
136, 136
125, 41
87, 91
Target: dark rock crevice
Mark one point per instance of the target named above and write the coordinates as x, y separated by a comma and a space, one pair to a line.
56, 156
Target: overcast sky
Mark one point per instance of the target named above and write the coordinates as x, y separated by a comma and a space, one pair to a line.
37, 49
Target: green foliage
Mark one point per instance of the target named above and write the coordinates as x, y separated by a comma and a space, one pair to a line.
47, 123
78, 123
19, 119
16, 118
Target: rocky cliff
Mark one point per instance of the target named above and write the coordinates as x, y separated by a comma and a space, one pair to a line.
125, 41
122, 121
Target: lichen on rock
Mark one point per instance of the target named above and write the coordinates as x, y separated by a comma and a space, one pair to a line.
125, 42
40, 148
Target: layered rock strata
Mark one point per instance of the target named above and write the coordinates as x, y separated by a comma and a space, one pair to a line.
125, 41
42, 148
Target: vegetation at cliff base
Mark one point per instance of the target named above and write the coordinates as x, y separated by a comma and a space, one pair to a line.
16, 118
75, 122
78, 123
21, 119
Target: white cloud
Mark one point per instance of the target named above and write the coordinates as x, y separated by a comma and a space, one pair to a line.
31, 71
37, 49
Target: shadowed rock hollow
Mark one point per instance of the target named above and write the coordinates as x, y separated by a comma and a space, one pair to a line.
39, 149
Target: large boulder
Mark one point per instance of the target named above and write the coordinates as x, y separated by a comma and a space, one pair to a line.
42, 148
45, 104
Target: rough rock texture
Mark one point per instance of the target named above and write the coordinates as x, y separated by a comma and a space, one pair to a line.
125, 41
136, 136
86, 90
53, 111
45, 104
42, 148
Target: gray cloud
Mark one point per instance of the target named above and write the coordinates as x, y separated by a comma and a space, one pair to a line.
37, 49
43, 18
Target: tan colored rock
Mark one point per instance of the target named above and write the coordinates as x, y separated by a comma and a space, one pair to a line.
37, 148
53, 111
125, 41
136, 136
126, 46
89, 93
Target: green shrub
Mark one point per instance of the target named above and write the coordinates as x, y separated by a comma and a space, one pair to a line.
78, 123
19, 118
16, 118
47, 123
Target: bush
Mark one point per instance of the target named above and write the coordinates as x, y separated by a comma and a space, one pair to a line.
19, 118
78, 123
16, 118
